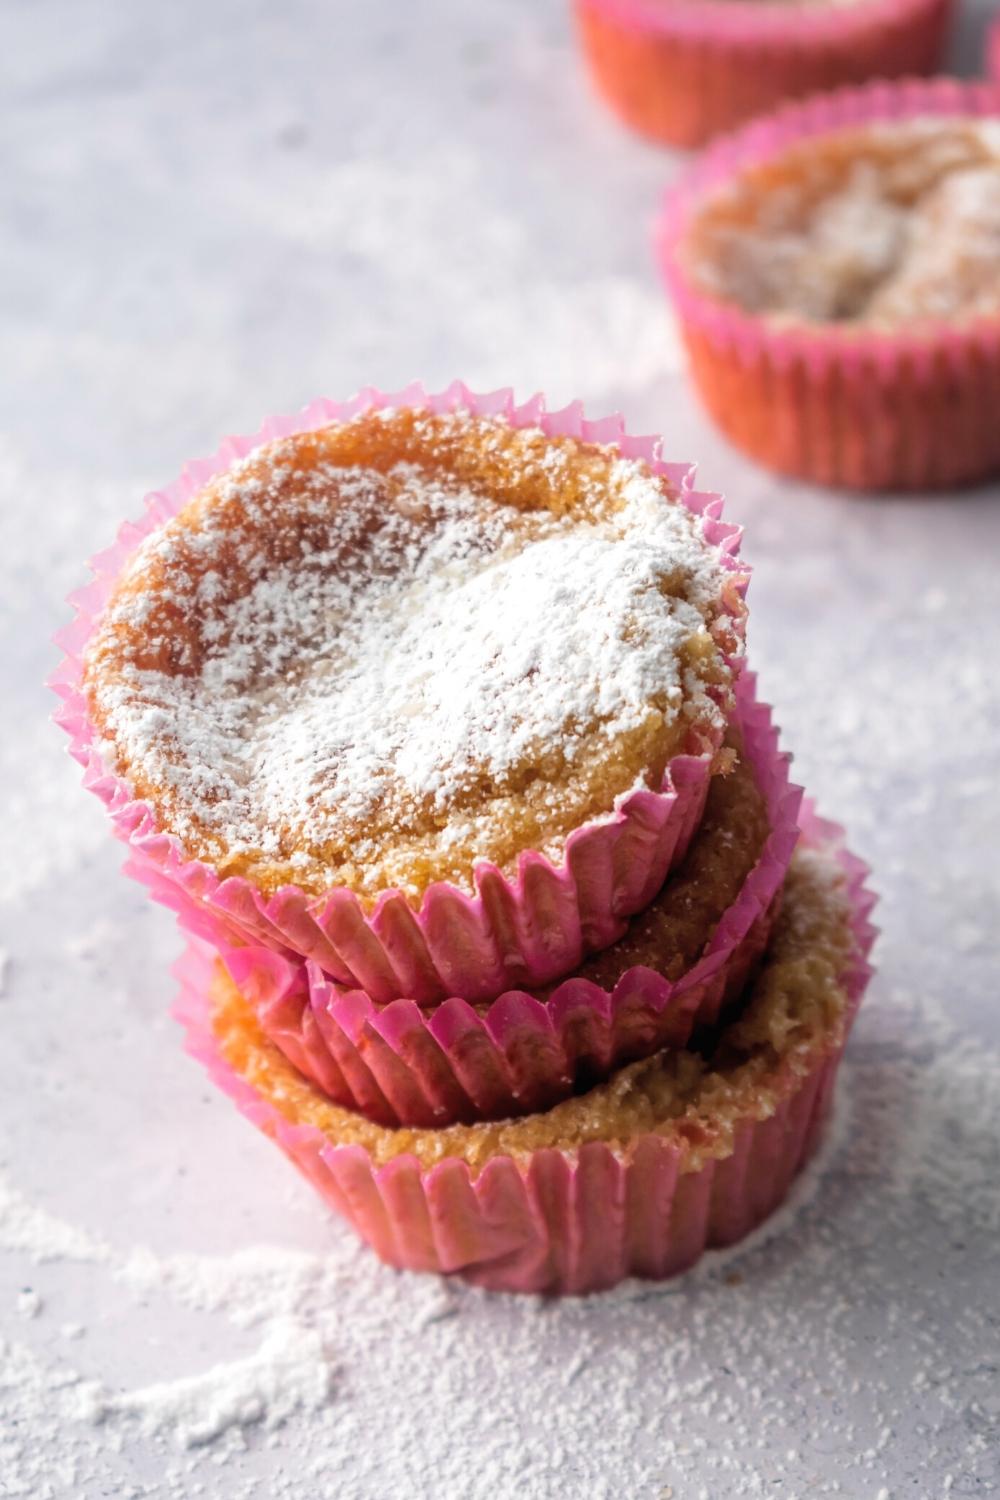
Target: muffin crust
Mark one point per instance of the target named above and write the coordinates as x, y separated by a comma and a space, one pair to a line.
672, 933
886, 226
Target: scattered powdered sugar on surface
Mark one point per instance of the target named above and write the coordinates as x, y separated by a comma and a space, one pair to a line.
94, 941
771, 1367
423, 636
29, 1303
288, 1372
853, 1354
39, 1235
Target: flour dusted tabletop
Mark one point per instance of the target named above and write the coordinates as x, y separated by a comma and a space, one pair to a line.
214, 212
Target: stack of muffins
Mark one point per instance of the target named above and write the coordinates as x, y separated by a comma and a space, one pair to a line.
430, 718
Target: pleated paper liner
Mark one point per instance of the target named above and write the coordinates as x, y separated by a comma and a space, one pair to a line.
401, 1064
682, 71
528, 927
579, 1218
831, 404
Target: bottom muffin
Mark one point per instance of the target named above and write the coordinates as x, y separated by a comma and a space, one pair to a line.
670, 1156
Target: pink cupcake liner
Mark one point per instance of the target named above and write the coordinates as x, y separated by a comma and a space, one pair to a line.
403, 1065
681, 71
529, 928
559, 1221
833, 404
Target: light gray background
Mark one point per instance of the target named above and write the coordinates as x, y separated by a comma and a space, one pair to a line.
214, 211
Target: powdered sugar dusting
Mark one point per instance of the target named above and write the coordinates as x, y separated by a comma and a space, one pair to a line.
409, 644
29, 1229
453, 203
908, 229
776, 1360
289, 1372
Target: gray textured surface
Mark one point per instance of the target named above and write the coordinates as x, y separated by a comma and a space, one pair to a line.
216, 211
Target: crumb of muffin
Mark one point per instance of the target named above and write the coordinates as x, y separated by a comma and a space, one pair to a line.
885, 225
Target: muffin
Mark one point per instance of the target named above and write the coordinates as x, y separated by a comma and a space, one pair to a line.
681, 71
429, 692
837, 275
678, 966
670, 1156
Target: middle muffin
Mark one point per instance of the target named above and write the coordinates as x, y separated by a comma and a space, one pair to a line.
676, 969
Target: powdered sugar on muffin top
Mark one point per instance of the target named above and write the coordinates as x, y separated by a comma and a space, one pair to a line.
886, 223
332, 650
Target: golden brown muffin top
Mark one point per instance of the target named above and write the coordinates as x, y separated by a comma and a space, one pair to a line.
372, 654
887, 225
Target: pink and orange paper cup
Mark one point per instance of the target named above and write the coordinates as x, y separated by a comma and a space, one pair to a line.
601, 1187
993, 50
515, 928
683, 71
839, 405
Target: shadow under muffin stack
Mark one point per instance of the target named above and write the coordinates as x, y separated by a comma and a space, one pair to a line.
429, 717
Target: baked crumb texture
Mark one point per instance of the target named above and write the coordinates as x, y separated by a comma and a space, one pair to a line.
679, 966
430, 693
883, 226
669, 1156
682, 71
836, 274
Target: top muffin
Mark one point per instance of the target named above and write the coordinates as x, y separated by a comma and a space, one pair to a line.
884, 225
371, 655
